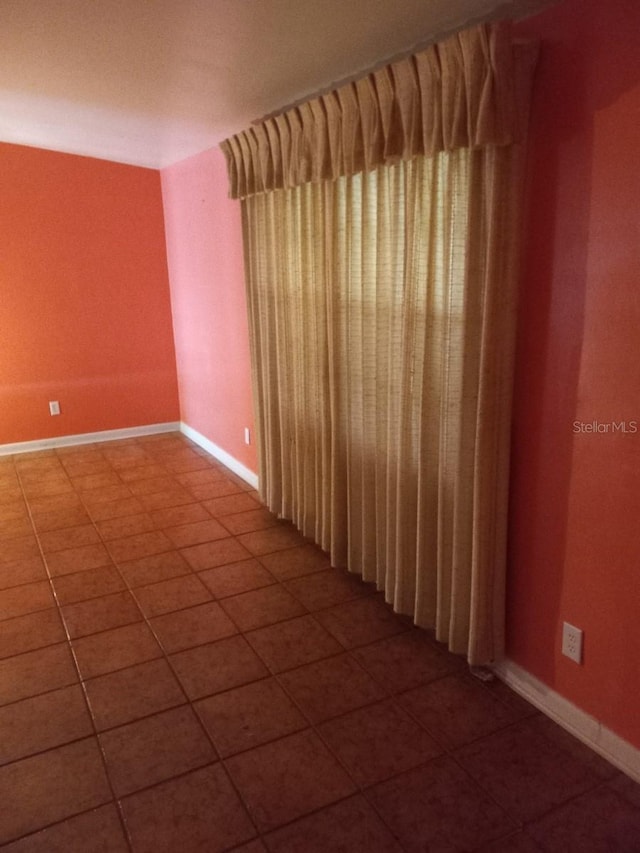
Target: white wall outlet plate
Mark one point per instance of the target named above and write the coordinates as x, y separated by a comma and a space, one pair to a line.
572, 642
54, 407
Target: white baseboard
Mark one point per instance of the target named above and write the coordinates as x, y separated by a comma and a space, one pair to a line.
87, 438
221, 455
586, 728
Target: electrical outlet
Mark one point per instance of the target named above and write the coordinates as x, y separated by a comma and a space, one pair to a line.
572, 642
247, 435
54, 407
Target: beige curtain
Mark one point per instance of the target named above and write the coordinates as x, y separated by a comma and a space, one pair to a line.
382, 322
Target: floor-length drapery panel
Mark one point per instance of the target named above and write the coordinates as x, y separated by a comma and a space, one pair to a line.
381, 313
380, 227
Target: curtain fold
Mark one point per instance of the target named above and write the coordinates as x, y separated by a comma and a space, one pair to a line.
382, 314
458, 93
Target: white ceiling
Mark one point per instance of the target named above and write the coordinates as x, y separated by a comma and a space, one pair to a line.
150, 82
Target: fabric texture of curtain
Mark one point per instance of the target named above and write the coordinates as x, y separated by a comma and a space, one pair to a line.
382, 288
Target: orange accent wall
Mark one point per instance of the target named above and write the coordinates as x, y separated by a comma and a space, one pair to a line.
204, 249
575, 499
84, 297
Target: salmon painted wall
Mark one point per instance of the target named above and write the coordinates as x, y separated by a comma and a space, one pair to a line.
575, 505
84, 297
206, 271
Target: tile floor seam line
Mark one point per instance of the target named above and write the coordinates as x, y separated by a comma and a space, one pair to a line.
118, 804
94, 727
194, 710
600, 784
448, 748
478, 783
85, 697
59, 823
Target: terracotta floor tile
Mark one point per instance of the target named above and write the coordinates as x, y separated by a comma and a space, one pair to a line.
627, 788
84, 466
109, 494
212, 554
247, 522
42, 722
186, 460
116, 509
161, 500
407, 660
326, 589
288, 778
32, 794
93, 583
12, 506
97, 831
196, 532
350, 825
272, 539
249, 716
457, 709
68, 537
59, 504
517, 842
251, 847
377, 742
21, 548
565, 741
295, 562
140, 545
194, 626
217, 666
437, 807
36, 487
146, 486
175, 515
36, 672
331, 687
510, 697
22, 571
28, 598
202, 475
225, 499
96, 480
128, 525
150, 471
524, 772
129, 694
16, 528
293, 643
34, 631
198, 811
156, 748
235, 578
595, 822
262, 607
212, 492
118, 648
362, 621
153, 569
173, 594
100, 614
77, 559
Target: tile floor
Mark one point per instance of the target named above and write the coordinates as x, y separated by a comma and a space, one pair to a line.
179, 671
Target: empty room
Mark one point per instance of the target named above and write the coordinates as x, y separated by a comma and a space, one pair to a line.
319, 426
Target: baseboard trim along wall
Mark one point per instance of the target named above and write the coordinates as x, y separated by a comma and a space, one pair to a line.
590, 731
221, 455
87, 438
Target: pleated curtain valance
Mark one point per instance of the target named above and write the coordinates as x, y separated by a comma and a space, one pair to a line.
455, 94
